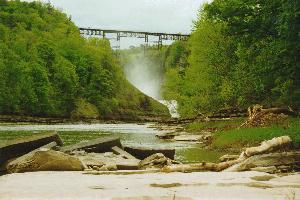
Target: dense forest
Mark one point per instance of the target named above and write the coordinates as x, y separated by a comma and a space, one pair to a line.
47, 69
240, 53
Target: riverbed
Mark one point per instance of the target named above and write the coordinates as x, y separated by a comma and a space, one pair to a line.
130, 134
154, 186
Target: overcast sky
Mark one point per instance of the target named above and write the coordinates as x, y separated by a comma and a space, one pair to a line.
171, 16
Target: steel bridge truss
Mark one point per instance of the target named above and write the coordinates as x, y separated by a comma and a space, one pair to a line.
134, 34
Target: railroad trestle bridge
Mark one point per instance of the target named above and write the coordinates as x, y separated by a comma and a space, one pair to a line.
118, 34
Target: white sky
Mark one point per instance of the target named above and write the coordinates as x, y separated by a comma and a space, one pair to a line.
170, 16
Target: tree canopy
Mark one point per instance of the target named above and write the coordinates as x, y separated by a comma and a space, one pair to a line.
241, 53
48, 69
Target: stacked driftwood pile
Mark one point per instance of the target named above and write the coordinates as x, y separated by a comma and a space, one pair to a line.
258, 116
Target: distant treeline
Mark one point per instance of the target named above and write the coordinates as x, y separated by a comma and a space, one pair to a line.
240, 53
48, 69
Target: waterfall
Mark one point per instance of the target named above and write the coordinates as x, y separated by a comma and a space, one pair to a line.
146, 74
172, 106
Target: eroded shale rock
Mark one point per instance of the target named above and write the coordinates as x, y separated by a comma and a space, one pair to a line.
24, 145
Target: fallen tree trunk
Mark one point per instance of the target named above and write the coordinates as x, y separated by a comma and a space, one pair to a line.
265, 147
266, 160
204, 166
121, 172
268, 146
277, 111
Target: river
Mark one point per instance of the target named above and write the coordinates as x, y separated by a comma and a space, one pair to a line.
130, 134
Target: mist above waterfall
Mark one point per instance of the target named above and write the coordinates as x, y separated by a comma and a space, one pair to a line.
145, 74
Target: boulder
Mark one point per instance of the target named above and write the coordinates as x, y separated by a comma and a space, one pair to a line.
99, 145
44, 160
24, 145
157, 160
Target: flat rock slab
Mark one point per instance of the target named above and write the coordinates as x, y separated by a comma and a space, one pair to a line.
151, 186
143, 152
123, 153
101, 159
99, 145
24, 145
188, 138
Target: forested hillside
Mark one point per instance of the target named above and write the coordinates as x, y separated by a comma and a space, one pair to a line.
240, 53
47, 69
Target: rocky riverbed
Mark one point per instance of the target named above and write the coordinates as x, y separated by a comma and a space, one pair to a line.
103, 168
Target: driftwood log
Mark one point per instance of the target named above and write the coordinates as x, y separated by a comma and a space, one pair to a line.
204, 166
121, 172
246, 159
259, 110
267, 160
269, 146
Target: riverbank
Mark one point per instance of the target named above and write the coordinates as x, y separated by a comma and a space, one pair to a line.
200, 185
57, 120
227, 134
224, 135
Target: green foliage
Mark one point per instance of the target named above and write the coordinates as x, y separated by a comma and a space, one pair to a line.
241, 53
48, 69
239, 138
84, 110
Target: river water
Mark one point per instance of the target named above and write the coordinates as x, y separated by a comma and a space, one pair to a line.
130, 135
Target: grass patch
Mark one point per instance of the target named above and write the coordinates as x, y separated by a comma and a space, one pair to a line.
215, 125
238, 138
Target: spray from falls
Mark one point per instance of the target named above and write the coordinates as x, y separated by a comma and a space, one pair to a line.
147, 75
